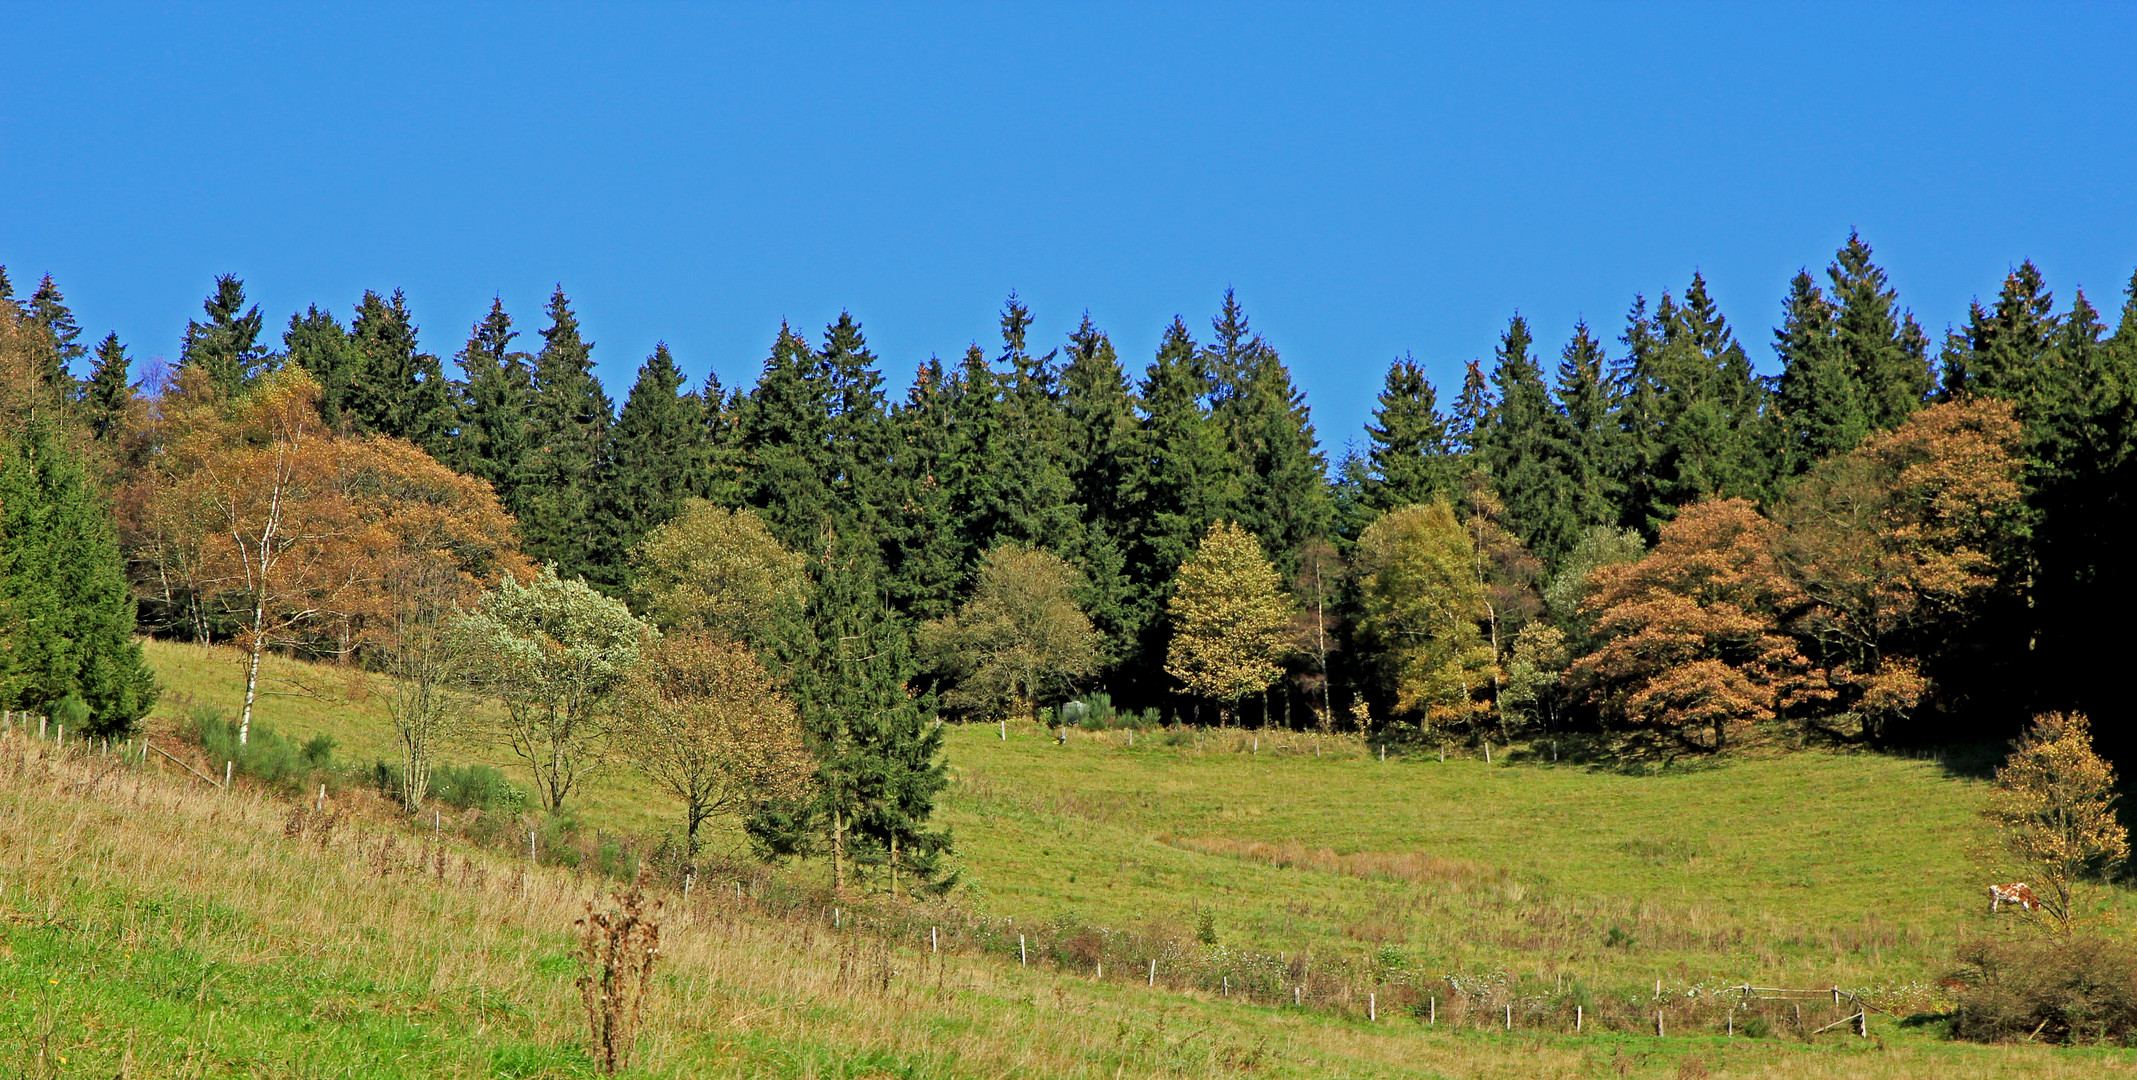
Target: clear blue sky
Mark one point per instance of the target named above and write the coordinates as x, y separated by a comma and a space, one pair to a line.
1373, 181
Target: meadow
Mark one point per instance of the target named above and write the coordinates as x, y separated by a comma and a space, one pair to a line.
1416, 908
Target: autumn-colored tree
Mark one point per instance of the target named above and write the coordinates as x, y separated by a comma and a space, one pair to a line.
264, 520
2054, 811
720, 570
1422, 609
553, 652
1021, 638
1229, 618
704, 721
1892, 542
1692, 644
1316, 627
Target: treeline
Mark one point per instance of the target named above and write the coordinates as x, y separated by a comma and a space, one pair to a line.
1890, 536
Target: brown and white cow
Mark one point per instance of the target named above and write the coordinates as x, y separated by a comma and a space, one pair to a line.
2015, 894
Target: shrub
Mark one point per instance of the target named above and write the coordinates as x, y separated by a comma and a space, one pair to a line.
2062, 990
476, 787
267, 756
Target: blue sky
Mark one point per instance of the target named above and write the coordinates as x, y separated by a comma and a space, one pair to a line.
1373, 181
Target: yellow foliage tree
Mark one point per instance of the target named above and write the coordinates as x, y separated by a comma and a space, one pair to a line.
1021, 637
707, 724
717, 569
1424, 607
1230, 618
2054, 810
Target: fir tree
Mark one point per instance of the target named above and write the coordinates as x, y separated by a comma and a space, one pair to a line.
493, 405
63, 591
108, 397
783, 429
316, 342
1466, 430
1185, 483
226, 346
654, 454
1041, 510
847, 663
1412, 458
1098, 410
923, 530
568, 419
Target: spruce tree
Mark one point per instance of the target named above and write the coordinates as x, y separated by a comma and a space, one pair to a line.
1466, 429
316, 342
1041, 510
1695, 415
1590, 429
493, 403
1186, 481
1412, 459
1522, 450
64, 595
107, 397
923, 533
568, 420
1886, 351
782, 430
654, 454
1283, 497
226, 346
1098, 410
848, 663
1820, 400
396, 388
48, 311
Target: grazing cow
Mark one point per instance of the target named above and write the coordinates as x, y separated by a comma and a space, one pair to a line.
2015, 894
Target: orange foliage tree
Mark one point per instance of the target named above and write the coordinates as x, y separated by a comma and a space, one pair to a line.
296, 536
1692, 640
1892, 542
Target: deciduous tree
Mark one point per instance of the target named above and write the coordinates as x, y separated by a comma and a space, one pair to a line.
1020, 639
1422, 607
718, 570
1229, 619
2054, 811
552, 651
704, 721
1692, 643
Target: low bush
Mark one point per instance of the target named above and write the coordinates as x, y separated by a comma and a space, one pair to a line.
266, 756
2079, 989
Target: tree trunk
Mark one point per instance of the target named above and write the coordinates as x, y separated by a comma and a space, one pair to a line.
838, 851
894, 866
252, 670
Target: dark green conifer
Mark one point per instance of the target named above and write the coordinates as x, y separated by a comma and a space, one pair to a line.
1523, 451
396, 388
1283, 476
226, 346
1820, 400
655, 453
316, 342
107, 398
48, 311
568, 420
1412, 459
64, 596
1590, 430
1098, 410
1886, 351
493, 402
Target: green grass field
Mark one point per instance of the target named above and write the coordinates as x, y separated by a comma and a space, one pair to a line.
1519, 889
